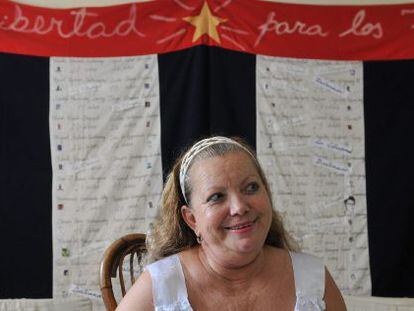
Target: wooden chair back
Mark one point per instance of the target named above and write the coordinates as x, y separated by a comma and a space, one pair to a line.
131, 247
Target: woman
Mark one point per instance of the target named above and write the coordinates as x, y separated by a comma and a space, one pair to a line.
219, 244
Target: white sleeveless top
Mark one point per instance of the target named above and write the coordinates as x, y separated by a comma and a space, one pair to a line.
170, 292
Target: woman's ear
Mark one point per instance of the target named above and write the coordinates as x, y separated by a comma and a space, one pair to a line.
188, 216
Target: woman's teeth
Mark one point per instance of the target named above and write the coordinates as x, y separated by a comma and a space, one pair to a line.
239, 227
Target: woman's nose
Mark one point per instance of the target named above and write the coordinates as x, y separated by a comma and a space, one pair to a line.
238, 206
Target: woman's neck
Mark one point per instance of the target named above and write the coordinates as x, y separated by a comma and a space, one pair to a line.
248, 266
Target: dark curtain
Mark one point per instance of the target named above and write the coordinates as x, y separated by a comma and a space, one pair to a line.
25, 178
389, 139
205, 91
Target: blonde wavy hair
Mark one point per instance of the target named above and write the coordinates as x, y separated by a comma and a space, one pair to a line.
170, 234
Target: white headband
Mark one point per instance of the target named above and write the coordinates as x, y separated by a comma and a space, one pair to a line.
197, 148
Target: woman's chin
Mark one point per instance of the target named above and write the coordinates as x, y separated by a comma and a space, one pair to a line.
247, 246
246, 243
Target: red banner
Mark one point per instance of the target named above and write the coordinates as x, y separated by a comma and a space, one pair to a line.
268, 28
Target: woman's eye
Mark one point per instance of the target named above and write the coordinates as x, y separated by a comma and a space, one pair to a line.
252, 187
214, 197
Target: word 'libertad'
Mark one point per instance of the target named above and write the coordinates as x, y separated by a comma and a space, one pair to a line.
97, 29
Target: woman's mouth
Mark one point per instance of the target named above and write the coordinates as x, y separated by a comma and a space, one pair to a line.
242, 227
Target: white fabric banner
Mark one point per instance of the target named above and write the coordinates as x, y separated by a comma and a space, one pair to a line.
310, 140
106, 161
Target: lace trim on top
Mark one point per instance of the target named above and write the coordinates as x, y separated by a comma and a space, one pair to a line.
309, 273
179, 305
168, 285
309, 303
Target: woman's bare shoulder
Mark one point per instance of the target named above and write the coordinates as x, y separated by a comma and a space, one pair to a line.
333, 297
139, 296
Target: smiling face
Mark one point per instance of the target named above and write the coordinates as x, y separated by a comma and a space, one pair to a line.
230, 207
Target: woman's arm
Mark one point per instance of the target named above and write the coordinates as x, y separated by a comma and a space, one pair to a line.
333, 297
139, 296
